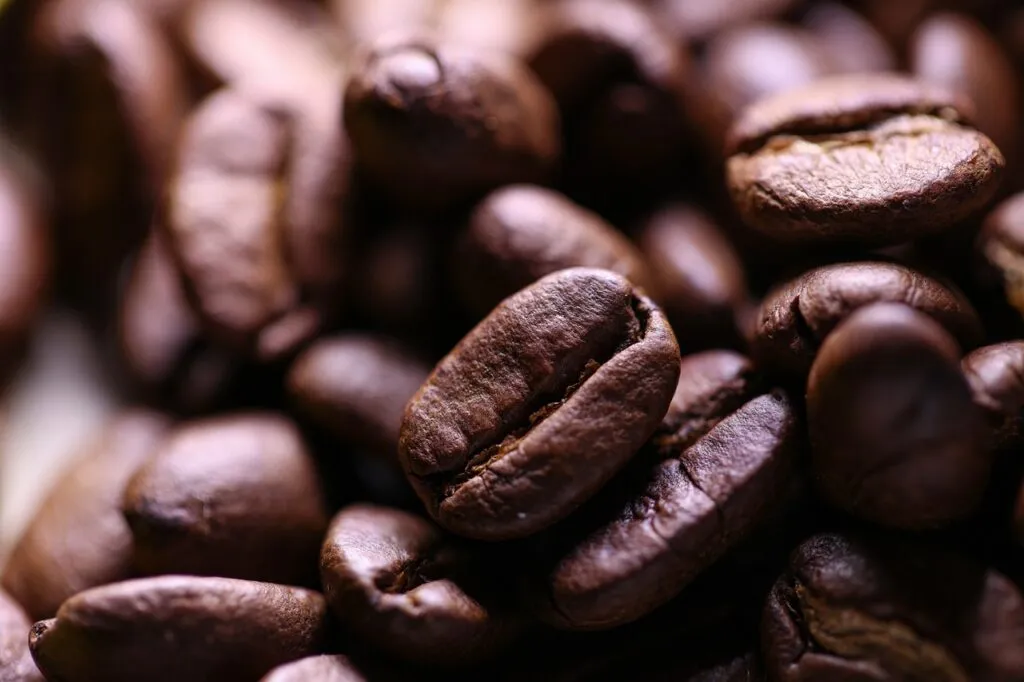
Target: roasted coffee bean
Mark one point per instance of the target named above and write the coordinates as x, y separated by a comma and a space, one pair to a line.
26, 245
699, 279
1001, 248
404, 587
862, 159
718, 463
520, 233
891, 609
78, 538
316, 669
15, 660
164, 350
797, 316
175, 628
996, 377
105, 106
539, 405
437, 125
357, 386
956, 52
695, 20
236, 496
852, 44
621, 84
895, 436
252, 218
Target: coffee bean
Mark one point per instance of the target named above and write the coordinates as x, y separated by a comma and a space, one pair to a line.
956, 52
357, 387
404, 587
1000, 245
895, 436
236, 496
699, 278
891, 609
719, 462
996, 377
252, 251
176, 628
539, 405
316, 669
862, 159
520, 233
797, 316
105, 104
78, 538
15, 660
437, 125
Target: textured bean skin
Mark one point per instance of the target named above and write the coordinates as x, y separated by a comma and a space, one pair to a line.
895, 436
996, 376
406, 588
174, 628
78, 538
237, 496
425, 120
866, 159
878, 612
797, 316
539, 405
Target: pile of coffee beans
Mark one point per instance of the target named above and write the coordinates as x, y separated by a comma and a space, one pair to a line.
548, 340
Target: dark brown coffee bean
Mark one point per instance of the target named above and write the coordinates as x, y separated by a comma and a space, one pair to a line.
164, 349
895, 436
891, 609
175, 628
356, 386
695, 20
1001, 248
698, 276
621, 84
437, 125
406, 588
797, 316
865, 159
235, 496
852, 44
27, 258
956, 52
718, 463
316, 669
106, 103
15, 660
539, 405
252, 218
520, 233
996, 377
78, 538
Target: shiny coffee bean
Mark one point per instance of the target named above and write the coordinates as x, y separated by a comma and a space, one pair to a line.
1001, 248
995, 375
521, 233
235, 496
404, 587
165, 353
719, 463
699, 279
891, 609
539, 405
863, 159
78, 538
895, 436
15, 660
106, 101
621, 84
254, 222
356, 386
437, 125
797, 316
852, 44
316, 669
175, 628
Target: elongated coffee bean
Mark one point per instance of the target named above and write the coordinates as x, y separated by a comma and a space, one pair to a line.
175, 628
539, 405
